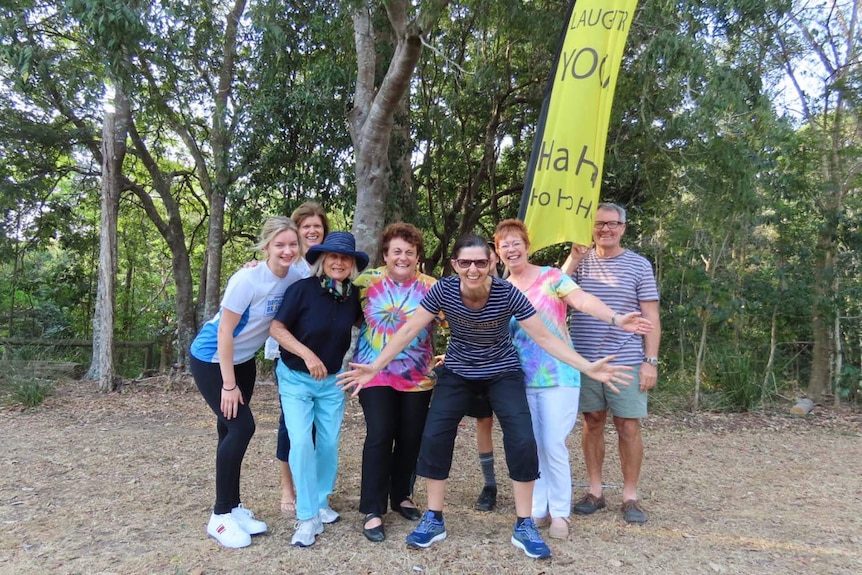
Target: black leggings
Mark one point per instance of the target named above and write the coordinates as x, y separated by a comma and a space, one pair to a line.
234, 434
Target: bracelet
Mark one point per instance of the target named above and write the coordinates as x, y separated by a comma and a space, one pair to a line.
231, 389
614, 318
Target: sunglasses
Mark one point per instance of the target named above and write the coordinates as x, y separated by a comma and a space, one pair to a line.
480, 264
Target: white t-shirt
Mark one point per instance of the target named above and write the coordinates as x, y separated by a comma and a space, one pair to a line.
255, 294
270, 348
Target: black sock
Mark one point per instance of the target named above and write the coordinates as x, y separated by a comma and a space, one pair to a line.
438, 515
520, 520
486, 462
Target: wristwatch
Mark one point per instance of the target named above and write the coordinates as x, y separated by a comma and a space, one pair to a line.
653, 361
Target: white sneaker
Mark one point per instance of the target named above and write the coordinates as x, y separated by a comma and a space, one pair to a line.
328, 515
227, 531
306, 531
245, 519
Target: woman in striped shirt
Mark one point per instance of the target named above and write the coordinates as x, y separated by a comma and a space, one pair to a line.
480, 359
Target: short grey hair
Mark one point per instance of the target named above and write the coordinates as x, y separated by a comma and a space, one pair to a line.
317, 267
621, 211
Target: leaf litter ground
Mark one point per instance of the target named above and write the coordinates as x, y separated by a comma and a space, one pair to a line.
123, 483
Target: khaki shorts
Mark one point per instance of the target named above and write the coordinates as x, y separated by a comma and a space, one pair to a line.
629, 403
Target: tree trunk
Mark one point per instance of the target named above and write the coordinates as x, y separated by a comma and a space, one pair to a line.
820, 379
699, 360
114, 134
768, 376
825, 38
221, 146
371, 119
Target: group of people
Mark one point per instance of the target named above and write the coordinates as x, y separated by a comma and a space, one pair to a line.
510, 352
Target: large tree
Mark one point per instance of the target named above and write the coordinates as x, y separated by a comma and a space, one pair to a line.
819, 46
377, 99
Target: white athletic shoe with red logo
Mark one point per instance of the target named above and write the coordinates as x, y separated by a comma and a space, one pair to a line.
227, 531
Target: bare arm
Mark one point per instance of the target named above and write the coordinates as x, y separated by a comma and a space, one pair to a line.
363, 373
600, 370
576, 255
593, 306
289, 342
231, 396
649, 373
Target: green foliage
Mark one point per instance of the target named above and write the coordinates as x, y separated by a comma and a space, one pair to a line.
20, 383
736, 379
725, 195
850, 383
30, 393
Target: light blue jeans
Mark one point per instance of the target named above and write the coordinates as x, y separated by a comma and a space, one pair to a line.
304, 401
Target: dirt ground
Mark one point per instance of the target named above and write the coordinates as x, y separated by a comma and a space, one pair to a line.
123, 483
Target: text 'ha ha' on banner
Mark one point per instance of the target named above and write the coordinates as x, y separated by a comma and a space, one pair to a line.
561, 188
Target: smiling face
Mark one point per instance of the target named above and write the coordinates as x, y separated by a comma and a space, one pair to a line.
282, 251
472, 275
337, 266
512, 249
401, 260
607, 239
311, 232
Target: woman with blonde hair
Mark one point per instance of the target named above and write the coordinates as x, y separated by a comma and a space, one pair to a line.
223, 365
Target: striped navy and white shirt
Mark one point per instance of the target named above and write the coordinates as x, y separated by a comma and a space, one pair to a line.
480, 345
622, 282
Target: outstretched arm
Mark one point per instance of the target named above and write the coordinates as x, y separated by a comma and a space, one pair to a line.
591, 305
363, 373
600, 370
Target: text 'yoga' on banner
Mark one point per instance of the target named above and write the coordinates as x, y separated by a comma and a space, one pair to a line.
563, 180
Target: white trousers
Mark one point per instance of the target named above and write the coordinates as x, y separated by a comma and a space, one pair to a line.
554, 411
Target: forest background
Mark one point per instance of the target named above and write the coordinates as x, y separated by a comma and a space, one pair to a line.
142, 143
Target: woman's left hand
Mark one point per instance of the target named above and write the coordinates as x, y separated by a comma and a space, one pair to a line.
609, 374
634, 323
354, 379
230, 401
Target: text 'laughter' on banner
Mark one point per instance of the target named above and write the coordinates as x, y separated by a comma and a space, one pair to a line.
561, 188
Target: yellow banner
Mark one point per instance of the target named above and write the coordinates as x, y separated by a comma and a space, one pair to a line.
561, 188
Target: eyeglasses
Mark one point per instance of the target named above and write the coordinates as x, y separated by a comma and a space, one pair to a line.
516, 245
611, 225
480, 264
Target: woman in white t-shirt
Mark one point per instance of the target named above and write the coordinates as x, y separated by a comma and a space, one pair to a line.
223, 365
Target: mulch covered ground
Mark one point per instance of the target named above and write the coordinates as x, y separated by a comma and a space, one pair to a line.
123, 483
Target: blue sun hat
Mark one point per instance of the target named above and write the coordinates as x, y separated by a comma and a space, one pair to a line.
339, 243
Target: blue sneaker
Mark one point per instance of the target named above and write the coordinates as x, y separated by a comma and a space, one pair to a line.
429, 530
526, 538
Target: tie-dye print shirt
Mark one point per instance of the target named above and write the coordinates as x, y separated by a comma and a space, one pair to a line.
541, 369
386, 305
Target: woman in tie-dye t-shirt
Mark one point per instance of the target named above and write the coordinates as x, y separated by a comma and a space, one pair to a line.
553, 387
395, 402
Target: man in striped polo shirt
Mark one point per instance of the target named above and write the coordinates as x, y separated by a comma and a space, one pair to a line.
625, 281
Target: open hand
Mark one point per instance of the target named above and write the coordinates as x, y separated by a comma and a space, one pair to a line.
610, 375
354, 379
634, 323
